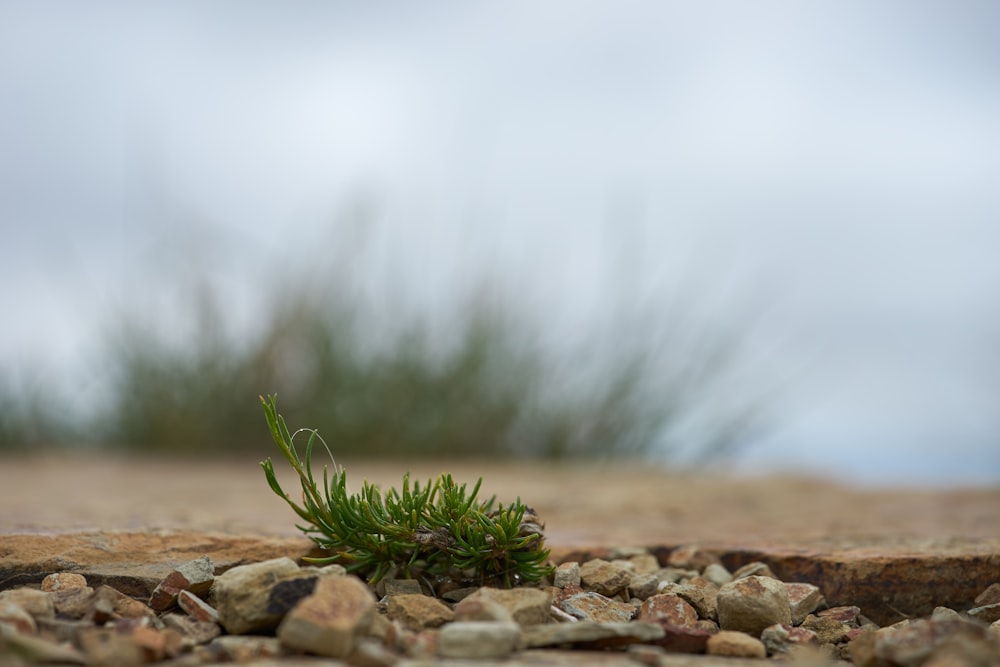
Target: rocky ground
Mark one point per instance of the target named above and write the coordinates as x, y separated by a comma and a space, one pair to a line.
669, 567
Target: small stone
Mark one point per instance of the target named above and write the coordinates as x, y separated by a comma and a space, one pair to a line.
566, 574
62, 581
644, 563
482, 609
781, 638
329, 621
753, 603
527, 606
668, 608
106, 646
73, 603
944, 613
755, 568
16, 617
403, 587
850, 616
987, 613
717, 574
196, 576
236, 648
193, 632
989, 596
371, 653
803, 599
683, 638
61, 630
591, 634
644, 654
691, 557
242, 595
478, 639
827, 628
34, 650
35, 602
911, 644
458, 594
702, 594
604, 577
627, 552
418, 612
735, 644
642, 585
197, 608
156, 645
675, 575
591, 606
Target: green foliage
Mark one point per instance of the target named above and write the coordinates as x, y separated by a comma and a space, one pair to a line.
437, 529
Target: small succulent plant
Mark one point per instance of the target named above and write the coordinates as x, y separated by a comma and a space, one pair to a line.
438, 529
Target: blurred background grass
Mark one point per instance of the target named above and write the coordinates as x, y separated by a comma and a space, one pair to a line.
488, 379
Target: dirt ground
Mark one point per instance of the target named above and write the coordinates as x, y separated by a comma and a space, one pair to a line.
582, 505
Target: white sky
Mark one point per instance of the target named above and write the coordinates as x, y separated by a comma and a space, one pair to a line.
839, 161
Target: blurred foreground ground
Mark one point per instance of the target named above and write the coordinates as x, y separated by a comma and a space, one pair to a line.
582, 505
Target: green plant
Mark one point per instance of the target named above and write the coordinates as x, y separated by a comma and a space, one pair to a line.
437, 529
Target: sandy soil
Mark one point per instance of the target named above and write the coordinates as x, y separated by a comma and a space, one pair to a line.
581, 504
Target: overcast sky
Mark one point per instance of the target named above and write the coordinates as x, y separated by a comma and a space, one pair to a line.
838, 163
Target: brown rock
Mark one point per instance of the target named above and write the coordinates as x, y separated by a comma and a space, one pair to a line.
527, 606
591, 606
803, 599
849, 615
683, 638
197, 608
912, 643
668, 608
62, 581
192, 632
604, 577
642, 585
482, 609
73, 603
418, 612
566, 574
237, 648
827, 628
754, 569
753, 603
36, 650
735, 644
591, 635
195, 576
702, 594
329, 621
644, 563
107, 646
987, 613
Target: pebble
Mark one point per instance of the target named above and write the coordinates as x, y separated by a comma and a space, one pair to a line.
478, 639
987, 613
735, 644
756, 568
566, 574
37, 603
604, 577
242, 595
803, 599
418, 611
482, 609
701, 594
591, 606
717, 574
991, 595
331, 619
829, 629
642, 585
683, 638
197, 608
782, 638
753, 603
670, 609
691, 557
16, 617
527, 606
588, 632
61, 581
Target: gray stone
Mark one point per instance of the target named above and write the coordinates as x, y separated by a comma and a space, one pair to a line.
803, 599
566, 574
991, 595
591, 606
735, 644
987, 613
329, 621
754, 569
242, 595
604, 577
642, 585
403, 587
73, 603
478, 639
675, 575
527, 606
717, 574
644, 563
589, 633
418, 611
369, 652
753, 603
195, 575
911, 643
33, 650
